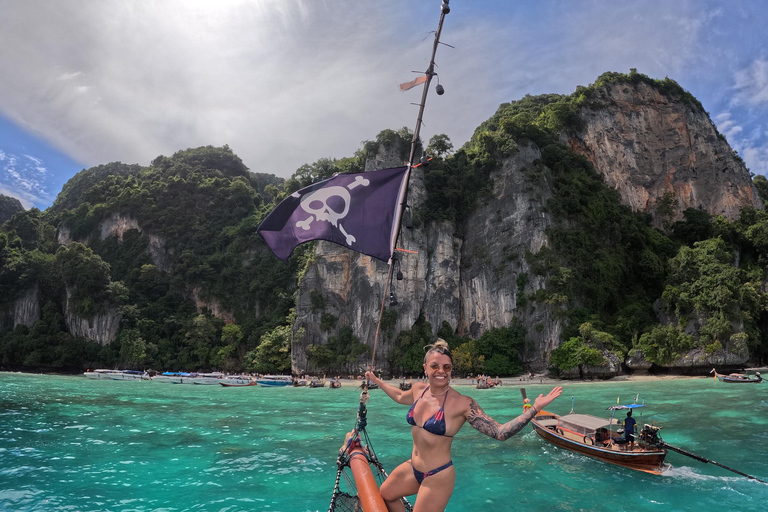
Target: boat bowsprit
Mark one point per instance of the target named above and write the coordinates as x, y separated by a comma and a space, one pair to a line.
359, 491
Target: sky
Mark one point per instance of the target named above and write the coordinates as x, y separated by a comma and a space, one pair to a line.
288, 82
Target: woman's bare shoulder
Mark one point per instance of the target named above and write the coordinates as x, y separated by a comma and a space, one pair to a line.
462, 400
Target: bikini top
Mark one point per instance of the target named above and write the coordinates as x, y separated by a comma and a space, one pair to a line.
434, 425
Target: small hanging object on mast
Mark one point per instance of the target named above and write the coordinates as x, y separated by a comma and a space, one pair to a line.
426, 79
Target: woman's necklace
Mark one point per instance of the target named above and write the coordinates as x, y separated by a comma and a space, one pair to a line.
438, 394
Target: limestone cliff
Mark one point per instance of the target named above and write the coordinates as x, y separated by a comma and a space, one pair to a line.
26, 309
471, 283
101, 328
647, 144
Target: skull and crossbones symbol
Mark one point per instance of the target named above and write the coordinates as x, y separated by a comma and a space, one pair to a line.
316, 204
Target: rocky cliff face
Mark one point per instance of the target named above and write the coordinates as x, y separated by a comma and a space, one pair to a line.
471, 283
101, 328
646, 145
26, 310
212, 305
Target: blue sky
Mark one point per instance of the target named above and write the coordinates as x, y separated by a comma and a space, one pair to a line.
286, 82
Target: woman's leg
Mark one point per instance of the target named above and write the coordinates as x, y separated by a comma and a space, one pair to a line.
435, 491
400, 482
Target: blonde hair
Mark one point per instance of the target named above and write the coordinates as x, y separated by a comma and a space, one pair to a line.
440, 346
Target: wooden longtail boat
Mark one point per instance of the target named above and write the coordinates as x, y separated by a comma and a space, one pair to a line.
593, 436
738, 377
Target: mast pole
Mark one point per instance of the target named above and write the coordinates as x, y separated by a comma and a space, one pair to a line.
430, 72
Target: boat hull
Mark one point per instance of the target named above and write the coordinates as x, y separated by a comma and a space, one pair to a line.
651, 461
205, 381
237, 383
273, 383
739, 381
129, 376
99, 374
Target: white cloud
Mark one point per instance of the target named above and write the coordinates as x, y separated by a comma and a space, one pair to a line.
24, 178
756, 158
751, 84
727, 126
285, 82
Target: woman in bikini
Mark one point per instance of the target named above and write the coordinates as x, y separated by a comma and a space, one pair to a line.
437, 413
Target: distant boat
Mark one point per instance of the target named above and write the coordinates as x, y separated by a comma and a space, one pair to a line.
485, 384
316, 383
237, 381
129, 375
593, 436
371, 385
181, 378
738, 377
335, 383
275, 380
167, 377
99, 374
207, 379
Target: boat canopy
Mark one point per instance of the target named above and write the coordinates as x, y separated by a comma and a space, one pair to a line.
585, 423
629, 406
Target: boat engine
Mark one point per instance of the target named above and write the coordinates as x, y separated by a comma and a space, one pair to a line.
650, 434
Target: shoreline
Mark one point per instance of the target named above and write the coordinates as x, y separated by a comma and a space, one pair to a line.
464, 382
537, 380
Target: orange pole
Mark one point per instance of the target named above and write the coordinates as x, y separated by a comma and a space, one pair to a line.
367, 489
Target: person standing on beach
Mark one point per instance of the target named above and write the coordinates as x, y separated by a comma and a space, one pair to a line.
436, 414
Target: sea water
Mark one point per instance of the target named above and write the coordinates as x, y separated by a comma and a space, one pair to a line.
73, 444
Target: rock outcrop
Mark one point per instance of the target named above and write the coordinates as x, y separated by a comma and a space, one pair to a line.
212, 305
27, 309
101, 328
470, 283
647, 145
9, 206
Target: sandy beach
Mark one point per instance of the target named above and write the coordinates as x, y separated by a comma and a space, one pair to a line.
537, 380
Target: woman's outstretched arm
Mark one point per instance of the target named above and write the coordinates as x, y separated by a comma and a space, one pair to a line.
481, 422
396, 394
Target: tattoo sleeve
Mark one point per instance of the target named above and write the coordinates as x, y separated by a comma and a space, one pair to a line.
492, 428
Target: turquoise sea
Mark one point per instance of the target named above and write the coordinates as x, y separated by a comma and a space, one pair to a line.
73, 444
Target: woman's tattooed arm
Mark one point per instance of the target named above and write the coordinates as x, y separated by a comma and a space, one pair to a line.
492, 428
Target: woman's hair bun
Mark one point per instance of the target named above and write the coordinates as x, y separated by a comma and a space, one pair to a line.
440, 346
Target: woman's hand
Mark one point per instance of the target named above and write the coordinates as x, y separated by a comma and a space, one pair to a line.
543, 401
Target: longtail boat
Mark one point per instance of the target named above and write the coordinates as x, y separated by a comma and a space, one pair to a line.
738, 377
595, 437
